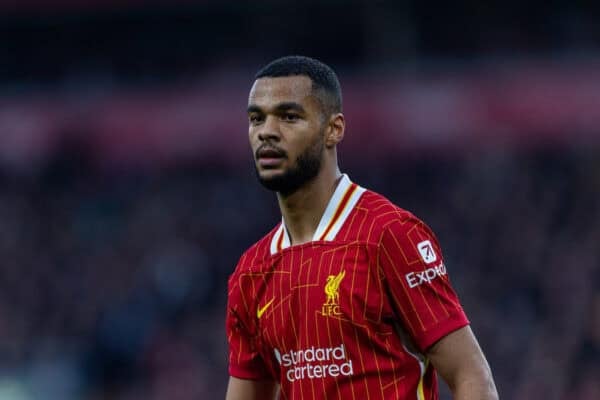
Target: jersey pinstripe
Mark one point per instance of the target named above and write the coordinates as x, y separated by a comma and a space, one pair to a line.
348, 315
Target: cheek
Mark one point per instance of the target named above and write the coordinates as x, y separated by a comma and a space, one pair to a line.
296, 147
252, 137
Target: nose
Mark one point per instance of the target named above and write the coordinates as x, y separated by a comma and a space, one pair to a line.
269, 130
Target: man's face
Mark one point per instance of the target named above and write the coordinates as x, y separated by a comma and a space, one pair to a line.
286, 132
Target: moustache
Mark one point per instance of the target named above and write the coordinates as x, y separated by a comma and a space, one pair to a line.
268, 150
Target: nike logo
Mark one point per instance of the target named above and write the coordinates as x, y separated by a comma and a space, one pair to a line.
261, 310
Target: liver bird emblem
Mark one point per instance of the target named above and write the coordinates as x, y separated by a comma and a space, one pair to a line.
332, 288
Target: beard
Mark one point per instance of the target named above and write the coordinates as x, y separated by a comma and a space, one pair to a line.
305, 169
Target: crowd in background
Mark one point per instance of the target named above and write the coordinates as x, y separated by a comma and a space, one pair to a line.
113, 284
113, 278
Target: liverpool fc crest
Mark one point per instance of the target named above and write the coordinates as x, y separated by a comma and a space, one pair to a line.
332, 291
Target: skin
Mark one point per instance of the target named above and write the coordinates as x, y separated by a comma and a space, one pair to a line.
284, 114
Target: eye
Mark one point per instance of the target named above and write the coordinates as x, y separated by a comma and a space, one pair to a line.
290, 117
255, 119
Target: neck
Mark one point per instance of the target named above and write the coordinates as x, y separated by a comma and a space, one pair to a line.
303, 209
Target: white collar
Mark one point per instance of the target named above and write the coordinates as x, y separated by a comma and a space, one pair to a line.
342, 202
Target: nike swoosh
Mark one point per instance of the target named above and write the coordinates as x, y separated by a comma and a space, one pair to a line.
261, 310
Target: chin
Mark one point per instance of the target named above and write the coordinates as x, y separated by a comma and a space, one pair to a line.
270, 173
275, 180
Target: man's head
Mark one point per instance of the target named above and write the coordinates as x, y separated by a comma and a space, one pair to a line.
325, 84
295, 121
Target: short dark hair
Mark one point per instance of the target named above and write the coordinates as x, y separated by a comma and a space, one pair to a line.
325, 83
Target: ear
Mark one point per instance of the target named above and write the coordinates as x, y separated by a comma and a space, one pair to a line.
335, 130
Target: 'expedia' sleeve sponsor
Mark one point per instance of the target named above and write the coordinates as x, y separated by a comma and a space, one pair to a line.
245, 361
412, 263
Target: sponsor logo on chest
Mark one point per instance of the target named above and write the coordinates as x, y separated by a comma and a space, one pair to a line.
315, 362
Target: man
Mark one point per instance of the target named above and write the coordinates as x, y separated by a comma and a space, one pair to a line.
348, 297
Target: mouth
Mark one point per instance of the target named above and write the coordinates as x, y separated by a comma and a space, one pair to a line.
269, 156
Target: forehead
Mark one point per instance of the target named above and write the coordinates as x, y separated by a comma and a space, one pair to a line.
270, 91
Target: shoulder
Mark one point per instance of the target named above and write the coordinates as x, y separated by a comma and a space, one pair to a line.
387, 217
399, 234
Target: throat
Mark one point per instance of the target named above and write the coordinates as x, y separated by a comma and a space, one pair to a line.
301, 229
303, 211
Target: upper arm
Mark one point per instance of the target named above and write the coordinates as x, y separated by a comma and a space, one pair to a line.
459, 360
418, 284
245, 389
411, 260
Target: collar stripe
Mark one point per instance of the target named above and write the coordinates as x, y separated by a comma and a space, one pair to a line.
339, 209
341, 204
280, 240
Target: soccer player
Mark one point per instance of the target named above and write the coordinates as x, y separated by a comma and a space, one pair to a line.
348, 297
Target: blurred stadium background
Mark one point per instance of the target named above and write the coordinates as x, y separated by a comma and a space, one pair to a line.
127, 192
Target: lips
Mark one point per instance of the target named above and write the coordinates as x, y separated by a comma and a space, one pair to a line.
269, 156
269, 152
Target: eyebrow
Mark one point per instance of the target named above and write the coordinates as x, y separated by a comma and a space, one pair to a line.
281, 107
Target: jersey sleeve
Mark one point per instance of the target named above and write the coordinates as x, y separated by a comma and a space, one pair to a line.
245, 361
412, 263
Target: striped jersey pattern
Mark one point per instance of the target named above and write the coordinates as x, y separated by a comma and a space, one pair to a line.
348, 315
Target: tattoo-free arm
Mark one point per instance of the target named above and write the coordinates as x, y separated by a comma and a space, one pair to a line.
245, 389
459, 360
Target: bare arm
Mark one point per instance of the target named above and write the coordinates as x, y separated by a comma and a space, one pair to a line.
459, 360
245, 389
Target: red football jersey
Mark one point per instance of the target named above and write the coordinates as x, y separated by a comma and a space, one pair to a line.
348, 315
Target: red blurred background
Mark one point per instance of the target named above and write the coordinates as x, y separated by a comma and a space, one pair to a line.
127, 191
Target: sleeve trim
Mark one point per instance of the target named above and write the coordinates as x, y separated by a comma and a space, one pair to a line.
241, 373
453, 323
